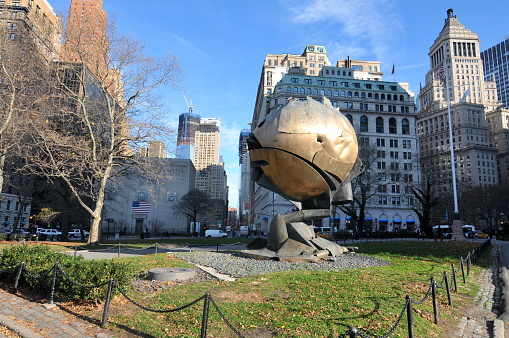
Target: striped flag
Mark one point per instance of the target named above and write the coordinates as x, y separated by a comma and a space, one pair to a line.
284, 60
140, 207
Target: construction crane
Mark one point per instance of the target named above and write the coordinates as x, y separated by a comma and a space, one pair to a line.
190, 106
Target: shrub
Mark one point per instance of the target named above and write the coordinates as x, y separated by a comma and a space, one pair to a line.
39, 260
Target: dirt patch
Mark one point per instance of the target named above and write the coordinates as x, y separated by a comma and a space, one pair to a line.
232, 297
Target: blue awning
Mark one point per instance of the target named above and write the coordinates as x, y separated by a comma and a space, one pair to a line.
410, 221
383, 220
368, 219
265, 217
348, 217
396, 221
335, 218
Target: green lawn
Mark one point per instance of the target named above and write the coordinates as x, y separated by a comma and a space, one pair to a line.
307, 304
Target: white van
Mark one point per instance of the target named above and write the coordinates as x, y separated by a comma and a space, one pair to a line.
215, 233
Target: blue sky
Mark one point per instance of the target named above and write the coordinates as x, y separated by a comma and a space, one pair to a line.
221, 44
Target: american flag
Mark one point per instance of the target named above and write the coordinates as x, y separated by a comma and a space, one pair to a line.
284, 60
140, 207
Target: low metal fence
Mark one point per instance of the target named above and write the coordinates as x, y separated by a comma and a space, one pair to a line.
207, 299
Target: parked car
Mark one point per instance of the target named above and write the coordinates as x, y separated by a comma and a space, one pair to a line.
76, 233
48, 233
322, 234
480, 234
18, 231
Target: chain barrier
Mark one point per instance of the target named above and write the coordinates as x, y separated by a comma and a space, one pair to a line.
44, 274
223, 317
352, 332
441, 283
136, 248
76, 283
426, 296
155, 310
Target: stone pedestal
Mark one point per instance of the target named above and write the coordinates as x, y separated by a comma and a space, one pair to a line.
457, 231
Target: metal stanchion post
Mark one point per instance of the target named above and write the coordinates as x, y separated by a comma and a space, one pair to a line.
410, 318
454, 278
449, 298
18, 275
119, 250
435, 301
205, 317
107, 303
53, 282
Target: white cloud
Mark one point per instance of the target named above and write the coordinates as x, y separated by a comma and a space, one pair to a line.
364, 27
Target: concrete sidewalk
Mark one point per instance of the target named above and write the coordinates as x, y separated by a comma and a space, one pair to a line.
33, 320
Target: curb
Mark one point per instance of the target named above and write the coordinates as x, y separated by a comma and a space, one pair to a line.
18, 328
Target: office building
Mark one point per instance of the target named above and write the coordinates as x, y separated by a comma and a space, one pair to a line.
188, 125
210, 174
134, 205
382, 112
85, 40
245, 178
456, 64
496, 68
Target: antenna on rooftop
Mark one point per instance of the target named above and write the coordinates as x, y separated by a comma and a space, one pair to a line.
190, 106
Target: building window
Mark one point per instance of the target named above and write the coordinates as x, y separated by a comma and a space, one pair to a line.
321, 82
295, 80
379, 125
380, 142
364, 123
288, 89
12, 36
405, 127
308, 81
392, 126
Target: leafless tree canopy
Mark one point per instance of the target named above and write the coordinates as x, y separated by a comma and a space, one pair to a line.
99, 108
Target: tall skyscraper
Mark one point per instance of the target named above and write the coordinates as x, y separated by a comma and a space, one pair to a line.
245, 178
85, 39
189, 123
456, 64
496, 68
210, 174
207, 142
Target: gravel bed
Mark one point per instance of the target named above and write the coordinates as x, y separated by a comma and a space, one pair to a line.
236, 266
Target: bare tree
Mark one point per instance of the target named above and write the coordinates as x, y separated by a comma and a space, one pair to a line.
22, 89
97, 118
192, 204
427, 200
363, 186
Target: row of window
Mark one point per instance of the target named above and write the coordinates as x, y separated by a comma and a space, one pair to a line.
380, 125
334, 83
393, 143
393, 166
407, 155
342, 93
